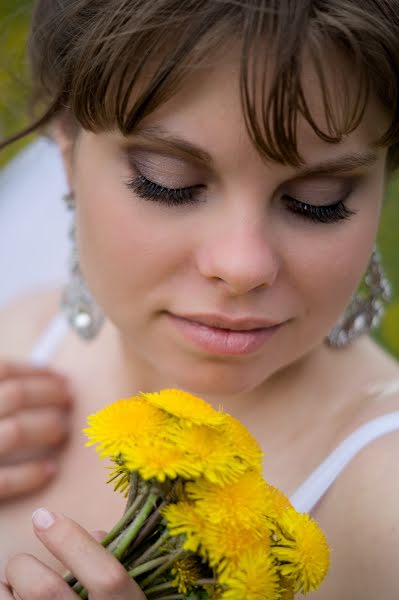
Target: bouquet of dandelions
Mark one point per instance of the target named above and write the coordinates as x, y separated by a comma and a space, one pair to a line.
200, 522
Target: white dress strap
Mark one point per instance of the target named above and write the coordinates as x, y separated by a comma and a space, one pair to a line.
315, 486
49, 340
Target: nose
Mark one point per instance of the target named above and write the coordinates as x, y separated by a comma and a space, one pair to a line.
241, 258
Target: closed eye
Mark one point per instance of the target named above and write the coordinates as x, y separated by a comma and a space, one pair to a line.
330, 213
148, 190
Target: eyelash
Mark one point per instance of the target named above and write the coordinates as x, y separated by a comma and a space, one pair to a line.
148, 190
331, 213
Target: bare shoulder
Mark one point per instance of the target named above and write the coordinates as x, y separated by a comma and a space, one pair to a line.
22, 321
360, 511
375, 360
360, 516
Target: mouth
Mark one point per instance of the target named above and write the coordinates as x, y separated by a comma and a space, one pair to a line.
220, 335
224, 322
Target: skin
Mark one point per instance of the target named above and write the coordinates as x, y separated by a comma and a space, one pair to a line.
240, 253
54, 531
34, 403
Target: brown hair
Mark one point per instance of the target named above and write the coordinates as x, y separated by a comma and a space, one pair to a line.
112, 62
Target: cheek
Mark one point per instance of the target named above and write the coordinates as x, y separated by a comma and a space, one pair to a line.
331, 260
328, 266
126, 247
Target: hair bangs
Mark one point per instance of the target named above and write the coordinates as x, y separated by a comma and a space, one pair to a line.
117, 85
341, 64
110, 64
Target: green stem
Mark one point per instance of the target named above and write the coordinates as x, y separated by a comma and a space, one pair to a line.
206, 582
111, 547
149, 553
133, 490
78, 587
134, 527
171, 597
151, 564
70, 579
149, 527
160, 588
168, 585
162, 568
127, 517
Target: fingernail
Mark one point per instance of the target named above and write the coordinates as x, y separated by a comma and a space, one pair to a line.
42, 518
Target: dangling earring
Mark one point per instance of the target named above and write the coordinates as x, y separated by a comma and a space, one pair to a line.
367, 307
81, 310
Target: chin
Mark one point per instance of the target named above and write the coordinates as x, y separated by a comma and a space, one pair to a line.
219, 380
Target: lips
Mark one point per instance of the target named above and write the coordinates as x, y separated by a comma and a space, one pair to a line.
223, 336
223, 322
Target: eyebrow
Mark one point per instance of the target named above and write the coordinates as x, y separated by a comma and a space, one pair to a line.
176, 145
154, 134
341, 164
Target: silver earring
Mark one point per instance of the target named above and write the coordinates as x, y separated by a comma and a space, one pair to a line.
83, 314
366, 308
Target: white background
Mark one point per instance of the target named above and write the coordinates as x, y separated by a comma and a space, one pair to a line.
34, 243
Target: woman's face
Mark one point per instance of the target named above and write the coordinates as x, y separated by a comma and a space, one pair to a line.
194, 278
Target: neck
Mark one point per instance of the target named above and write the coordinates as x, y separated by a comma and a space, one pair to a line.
297, 388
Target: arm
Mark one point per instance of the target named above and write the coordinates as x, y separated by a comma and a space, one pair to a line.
360, 516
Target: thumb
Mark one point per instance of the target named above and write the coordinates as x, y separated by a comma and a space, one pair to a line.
98, 534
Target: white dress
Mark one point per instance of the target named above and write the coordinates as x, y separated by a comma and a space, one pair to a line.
33, 221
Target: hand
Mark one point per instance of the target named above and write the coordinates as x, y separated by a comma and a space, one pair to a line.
33, 409
96, 569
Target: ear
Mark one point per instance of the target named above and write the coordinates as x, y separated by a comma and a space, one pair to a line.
65, 137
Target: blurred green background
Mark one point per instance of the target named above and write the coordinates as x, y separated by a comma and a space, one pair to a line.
14, 96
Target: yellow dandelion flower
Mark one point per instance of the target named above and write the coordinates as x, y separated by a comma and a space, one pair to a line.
275, 502
303, 551
246, 446
240, 503
185, 406
123, 423
223, 545
208, 448
256, 578
159, 460
287, 591
120, 477
186, 572
214, 591
182, 519
178, 492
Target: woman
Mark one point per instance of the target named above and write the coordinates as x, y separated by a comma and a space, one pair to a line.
227, 165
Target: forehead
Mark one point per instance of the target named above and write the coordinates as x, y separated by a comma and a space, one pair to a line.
208, 106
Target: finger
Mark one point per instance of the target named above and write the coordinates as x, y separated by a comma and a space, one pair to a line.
21, 479
11, 370
99, 535
32, 392
97, 570
32, 429
5, 592
33, 580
